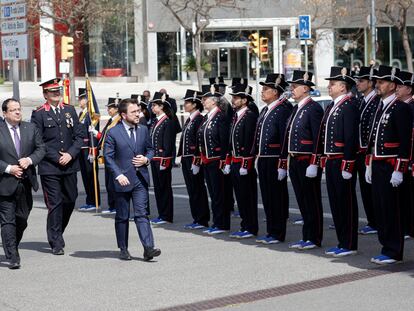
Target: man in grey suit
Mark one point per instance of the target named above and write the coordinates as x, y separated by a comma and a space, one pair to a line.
127, 152
21, 149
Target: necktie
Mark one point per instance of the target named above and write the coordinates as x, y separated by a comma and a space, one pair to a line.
16, 140
132, 135
57, 111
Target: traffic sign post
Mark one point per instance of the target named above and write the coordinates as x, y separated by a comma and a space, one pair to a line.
14, 44
305, 33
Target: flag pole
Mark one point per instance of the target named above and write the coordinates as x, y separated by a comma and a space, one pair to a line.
92, 154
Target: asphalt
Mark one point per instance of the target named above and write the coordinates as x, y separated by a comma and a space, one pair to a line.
194, 268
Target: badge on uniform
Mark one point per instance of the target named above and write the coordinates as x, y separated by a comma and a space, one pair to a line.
69, 120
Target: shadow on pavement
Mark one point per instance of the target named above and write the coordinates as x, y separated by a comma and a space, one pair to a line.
42, 247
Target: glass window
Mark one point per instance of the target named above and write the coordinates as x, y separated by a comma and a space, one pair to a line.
383, 45
349, 47
167, 56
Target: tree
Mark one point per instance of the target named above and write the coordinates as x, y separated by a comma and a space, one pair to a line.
394, 13
72, 17
194, 16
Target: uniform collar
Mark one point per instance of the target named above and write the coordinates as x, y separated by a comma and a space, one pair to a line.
241, 111
271, 105
303, 102
369, 96
339, 98
212, 112
388, 100
194, 114
160, 116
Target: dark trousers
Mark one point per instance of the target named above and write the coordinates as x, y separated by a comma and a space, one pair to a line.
228, 193
86, 168
215, 184
387, 207
274, 197
343, 202
245, 189
110, 192
197, 192
407, 204
14, 212
308, 195
139, 197
366, 191
163, 191
60, 193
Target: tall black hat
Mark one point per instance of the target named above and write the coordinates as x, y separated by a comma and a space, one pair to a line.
341, 74
302, 77
113, 102
208, 90
367, 73
81, 93
405, 78
242, 90
194, 97
140, 99
387, 73
161, 98
276, 81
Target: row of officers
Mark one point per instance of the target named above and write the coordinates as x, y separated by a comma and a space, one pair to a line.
370, 136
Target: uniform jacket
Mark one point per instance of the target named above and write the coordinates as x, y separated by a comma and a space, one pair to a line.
85, 120
367, 114
119, 151
65, 135
163, 140
213, 136
31, 145
188, 140
270, 129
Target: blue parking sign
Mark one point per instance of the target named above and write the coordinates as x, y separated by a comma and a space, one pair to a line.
304, 27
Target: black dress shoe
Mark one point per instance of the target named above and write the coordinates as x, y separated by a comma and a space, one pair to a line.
124, 255
58, 251
150, 253
14, 262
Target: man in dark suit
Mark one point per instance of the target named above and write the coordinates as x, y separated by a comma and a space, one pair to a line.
21, 149
127, 152
63, 135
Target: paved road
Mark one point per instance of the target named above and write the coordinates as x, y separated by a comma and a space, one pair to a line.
206, 272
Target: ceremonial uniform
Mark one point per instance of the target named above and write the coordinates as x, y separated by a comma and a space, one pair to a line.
389, 151
86, 166
163, 140
268, 143
243, 172
367, 107
190, 155
213, 139
301, 141
338, 141
61, 132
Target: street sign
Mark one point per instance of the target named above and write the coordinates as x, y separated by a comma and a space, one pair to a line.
13, 26
14, 47
13, 10
305, 27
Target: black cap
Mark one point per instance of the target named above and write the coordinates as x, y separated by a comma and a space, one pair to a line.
302, 77
161, 98
113, 102
341, 74
276, 81
405, 78
242, 90
81, 92
387, 73
140, 99
367, 73
194, 97
51, 85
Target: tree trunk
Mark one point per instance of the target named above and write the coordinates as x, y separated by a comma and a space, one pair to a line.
407, 49
197, 50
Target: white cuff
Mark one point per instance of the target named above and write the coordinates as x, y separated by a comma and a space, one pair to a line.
8, 169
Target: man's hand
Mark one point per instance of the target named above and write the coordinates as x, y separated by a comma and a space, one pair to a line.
139, 160
65, 158
123, 180
92, 130
16, 171
25, 163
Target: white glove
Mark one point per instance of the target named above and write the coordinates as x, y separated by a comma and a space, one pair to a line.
162, 168
195, 169
396, 178
226, 169
311, 171
243, 171
281, 174
346, 175
92, 130
368, 174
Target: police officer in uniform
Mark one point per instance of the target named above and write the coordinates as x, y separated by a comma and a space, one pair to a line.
338, 141
213, 139
162, 134
190, 162
243, 173
63, 135
112, 109
268, 143
368, 104
86, 166
405, 94
301, 140
389, 151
